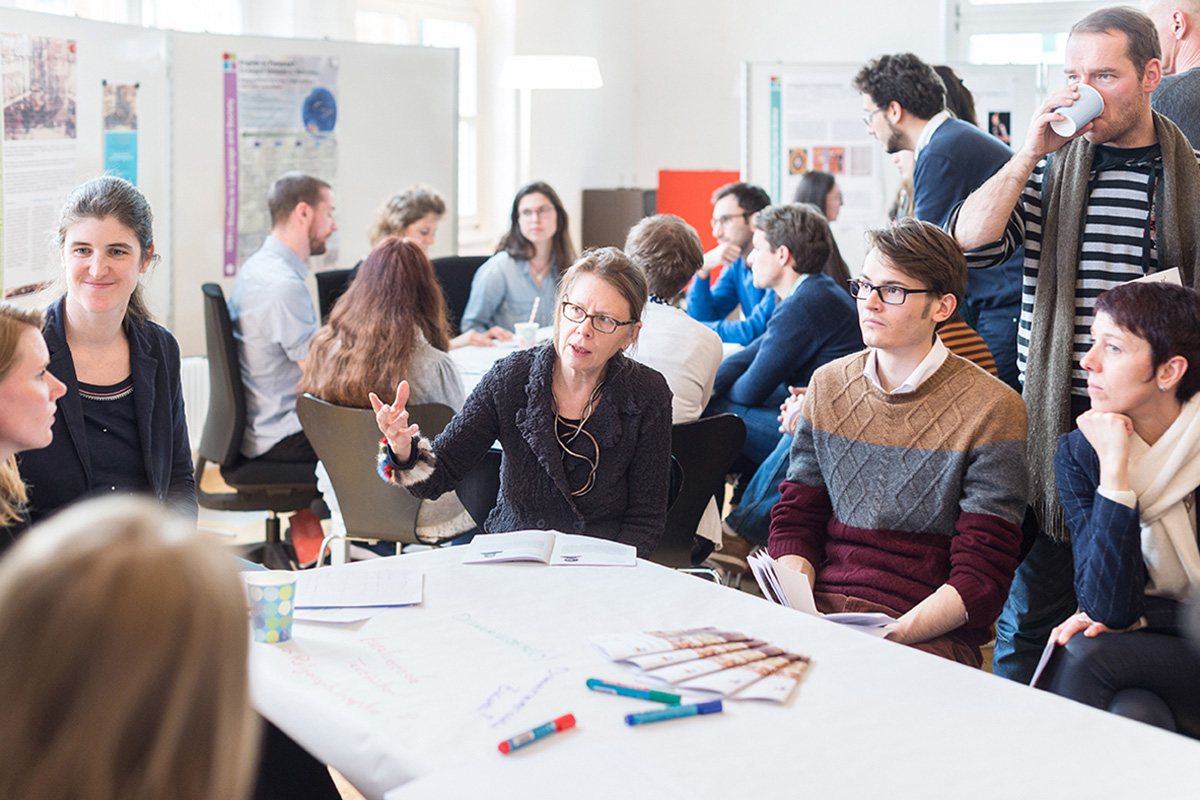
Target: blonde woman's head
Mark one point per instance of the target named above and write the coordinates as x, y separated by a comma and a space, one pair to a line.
124, 669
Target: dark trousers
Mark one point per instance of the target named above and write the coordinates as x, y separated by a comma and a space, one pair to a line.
295, 448
1129, 674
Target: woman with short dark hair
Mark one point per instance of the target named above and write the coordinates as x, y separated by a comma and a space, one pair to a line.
1127, 480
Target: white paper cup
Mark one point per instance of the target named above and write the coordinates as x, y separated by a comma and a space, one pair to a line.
1089, 106
526, 334
272, 596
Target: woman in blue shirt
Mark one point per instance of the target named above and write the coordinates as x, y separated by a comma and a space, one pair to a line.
525, 269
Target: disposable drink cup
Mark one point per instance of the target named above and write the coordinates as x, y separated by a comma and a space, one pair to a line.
272, 595
1089, 106
526, 334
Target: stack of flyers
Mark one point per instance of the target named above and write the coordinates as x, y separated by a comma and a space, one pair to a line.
710, 660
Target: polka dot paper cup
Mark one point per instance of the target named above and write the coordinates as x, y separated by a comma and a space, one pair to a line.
272, 595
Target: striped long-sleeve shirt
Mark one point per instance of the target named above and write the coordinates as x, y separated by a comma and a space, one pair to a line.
1118, 240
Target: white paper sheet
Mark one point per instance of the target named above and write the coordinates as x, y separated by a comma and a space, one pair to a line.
352, 586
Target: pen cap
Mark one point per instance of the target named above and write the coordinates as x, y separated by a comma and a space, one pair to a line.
564, 722
711, 707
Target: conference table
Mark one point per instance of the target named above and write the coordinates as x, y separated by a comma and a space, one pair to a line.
413, 702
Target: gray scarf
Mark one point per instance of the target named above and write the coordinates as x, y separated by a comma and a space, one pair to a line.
1064, 204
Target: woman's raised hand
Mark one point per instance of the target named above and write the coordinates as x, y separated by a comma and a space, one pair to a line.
393, 422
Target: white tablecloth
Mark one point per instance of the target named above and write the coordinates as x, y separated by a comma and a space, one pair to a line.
426, 693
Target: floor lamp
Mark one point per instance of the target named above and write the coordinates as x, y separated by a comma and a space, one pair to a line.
527, 73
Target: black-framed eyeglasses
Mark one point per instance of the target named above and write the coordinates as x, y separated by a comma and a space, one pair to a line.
723, 220
866, 118
892, 295
602, 323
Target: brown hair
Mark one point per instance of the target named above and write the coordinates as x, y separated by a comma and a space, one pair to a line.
959, 99
125, 672
368, 344
1167, 317
290, 190
105, 197
802, 229
13, 324
404, 209
905, 79
925, 253
668, 250
562, 252
614, 268
1141, 39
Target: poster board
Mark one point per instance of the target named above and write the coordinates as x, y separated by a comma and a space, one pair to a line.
807, 116
397, 125
117, 54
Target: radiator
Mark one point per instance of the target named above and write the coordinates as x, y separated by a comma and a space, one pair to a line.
194, 376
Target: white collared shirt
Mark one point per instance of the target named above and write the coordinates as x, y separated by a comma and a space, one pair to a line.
927, 132
930, 364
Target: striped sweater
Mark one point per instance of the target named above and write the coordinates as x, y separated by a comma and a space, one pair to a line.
1118, 242
892, 496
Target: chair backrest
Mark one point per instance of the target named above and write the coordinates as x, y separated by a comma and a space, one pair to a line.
705, 449
455, 273
331, 284
225, 424
346, 440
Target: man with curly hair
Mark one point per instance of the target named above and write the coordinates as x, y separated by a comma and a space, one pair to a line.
904, 107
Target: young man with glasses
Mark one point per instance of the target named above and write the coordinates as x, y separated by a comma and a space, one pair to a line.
907, 482
733, 206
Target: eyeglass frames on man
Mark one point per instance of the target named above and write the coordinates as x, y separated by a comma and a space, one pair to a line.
725, 219
892, 295
866, 118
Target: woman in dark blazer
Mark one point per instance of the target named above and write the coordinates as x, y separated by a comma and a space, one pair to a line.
120, 427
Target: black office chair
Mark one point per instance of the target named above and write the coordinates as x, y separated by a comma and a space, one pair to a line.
272, 486
331, 284
455, 274
479, 489
346, 439
705, 450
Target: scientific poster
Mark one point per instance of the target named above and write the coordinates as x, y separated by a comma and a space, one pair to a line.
40, 158
819, 127
280, 115
120, 130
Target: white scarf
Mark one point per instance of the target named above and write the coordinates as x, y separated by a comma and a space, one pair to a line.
1162, 476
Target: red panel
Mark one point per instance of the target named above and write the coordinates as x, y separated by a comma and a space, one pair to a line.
688, 194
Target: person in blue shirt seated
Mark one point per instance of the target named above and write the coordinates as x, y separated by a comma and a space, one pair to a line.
1127, 480
526, 268
733, 206
814, 322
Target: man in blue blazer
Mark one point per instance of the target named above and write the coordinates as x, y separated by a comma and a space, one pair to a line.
904, 108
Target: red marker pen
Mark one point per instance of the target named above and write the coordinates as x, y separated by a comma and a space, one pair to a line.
540, 732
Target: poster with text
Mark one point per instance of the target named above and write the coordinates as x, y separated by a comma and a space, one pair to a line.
40, 157
820, 128
280, 115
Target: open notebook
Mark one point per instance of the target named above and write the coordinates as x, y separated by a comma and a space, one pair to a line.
792, 589
549, 547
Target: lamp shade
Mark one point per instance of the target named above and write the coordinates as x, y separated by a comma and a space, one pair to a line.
551, 72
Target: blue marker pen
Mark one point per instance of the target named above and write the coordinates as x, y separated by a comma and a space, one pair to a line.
671, 712
540, 732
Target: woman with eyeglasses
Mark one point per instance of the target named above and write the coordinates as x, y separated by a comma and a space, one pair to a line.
586, 431
518, 284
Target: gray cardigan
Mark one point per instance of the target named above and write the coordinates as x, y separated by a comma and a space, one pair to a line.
513, 403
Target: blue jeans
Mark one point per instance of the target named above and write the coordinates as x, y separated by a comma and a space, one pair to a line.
1042, 595
998, 329
751, 520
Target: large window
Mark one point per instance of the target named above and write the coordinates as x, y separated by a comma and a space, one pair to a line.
1008, 32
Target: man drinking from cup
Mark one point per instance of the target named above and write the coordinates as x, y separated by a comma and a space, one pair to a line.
1116, 200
